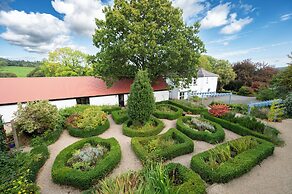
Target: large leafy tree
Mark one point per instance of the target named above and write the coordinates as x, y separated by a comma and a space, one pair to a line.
282, 82
146, 34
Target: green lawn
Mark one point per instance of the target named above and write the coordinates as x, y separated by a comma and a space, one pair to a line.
19, 71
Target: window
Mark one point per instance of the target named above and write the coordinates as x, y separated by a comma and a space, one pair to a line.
181, 95
84, 100
194, 82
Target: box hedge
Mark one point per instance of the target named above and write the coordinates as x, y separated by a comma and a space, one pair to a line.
213, 138
128, 131
188, 106
120, 116
234, 167
236, 128
185, 146
65, 175
75, 132
177, 112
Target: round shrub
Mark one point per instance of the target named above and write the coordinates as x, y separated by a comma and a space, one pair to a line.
245, 91
37, 117
167, 111
153, 127
64, 174
288, 105
216, 136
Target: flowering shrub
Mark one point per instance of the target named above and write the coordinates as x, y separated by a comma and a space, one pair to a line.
219, 110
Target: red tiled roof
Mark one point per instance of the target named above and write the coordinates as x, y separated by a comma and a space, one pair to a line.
14, 90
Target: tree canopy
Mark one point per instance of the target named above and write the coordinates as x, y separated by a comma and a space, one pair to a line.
282, 82
146, 34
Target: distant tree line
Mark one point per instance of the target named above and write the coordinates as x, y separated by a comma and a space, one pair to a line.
20, 63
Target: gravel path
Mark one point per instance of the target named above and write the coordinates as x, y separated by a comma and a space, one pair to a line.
273, 176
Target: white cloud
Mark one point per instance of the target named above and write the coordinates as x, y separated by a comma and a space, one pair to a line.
286, 17
225, 40
235, 25
80, 14
218, 16
35, 32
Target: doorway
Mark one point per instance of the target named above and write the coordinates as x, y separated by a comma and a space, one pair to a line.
121, 100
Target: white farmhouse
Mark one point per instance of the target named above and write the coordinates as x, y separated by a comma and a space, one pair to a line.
206, 82
68, 91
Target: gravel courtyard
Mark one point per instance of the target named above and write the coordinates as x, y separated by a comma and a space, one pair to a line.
274, 175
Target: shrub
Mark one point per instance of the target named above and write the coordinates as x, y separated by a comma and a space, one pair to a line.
47, 138
218, 110
188, 106
8, 74
37, 117
234, 85
240, 108
211, 137
261, 113
3, 144
233, 161
167, 111
266, 94
120, 116
66, 112
63, 174
288, 105
276, 112
153, 127
141, 102
110, 108
245, 91
152, 148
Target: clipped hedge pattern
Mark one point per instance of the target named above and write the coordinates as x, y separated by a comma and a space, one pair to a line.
110, 109
168, 115
192, 182
185, 146
213, 138
63, 174
139, 133
233, 168
193, 110
119, 117
236, 128
75, 132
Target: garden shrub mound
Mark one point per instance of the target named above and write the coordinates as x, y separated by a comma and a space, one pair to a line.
201, 129
245, 125
188, 106
167, 111
90, 122
153, 178
232, 159
120, 116
166, 146
86, 161
153, 127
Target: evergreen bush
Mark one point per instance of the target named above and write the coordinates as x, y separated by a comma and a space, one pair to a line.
288, 105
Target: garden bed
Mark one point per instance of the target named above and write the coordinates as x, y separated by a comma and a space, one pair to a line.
120, 116
153, 127
166, 146
232, 159
201, 129
167, 111
188, 106
86, 161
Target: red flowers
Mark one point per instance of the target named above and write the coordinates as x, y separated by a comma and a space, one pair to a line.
219, 110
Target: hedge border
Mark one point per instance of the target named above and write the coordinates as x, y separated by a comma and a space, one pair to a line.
236, 128
134, 133
213, 138
109, 110
192, 182
83, 180
119, 119
75, 132
185, 147
168, 115
234, 168
193, 110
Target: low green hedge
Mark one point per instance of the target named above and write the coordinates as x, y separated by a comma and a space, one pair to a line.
185, 146
188, 106
168, 115
63, 174
145, 133
109, 109
120, 116
234, 167
236, 128
192, 182
213, 138
75, 132
47, 138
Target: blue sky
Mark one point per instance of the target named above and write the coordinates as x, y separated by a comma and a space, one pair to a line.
233, 30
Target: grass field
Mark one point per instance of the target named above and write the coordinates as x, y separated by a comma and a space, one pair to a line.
19, 71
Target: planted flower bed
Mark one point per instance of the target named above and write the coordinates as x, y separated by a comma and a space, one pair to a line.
153, 127
201, 129
154, 178
167, 111
232, 159
169, 145
86, 161
120, 116
188, 106
90, 122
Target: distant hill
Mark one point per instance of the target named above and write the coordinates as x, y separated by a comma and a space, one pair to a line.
281, 68
19, 63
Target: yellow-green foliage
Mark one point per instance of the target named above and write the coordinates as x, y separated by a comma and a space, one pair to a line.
91, 118
276, 112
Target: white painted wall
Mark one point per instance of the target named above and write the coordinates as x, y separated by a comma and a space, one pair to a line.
64, 103
7, 112
104, 100
161, 96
